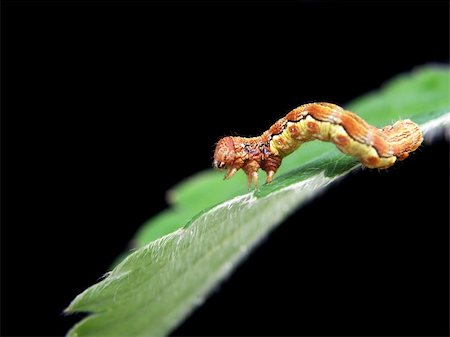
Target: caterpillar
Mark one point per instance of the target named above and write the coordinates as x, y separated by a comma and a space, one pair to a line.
373, 147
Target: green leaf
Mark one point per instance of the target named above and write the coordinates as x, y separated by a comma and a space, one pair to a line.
186, 250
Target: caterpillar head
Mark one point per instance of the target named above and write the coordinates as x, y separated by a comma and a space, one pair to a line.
225, 153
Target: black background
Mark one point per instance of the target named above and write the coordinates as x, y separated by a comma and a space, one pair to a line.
107, 105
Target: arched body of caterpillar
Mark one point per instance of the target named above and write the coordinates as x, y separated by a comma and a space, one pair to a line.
373, 147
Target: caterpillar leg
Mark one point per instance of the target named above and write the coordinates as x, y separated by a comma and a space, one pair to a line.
252, 178
231, 172
271, 165
269, 176
251, 170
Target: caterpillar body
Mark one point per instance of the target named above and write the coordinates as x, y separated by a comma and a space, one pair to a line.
373, 147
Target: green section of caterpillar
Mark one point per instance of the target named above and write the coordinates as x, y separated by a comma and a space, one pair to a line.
373, 147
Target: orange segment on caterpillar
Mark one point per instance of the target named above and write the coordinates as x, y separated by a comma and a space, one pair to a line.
373, 147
